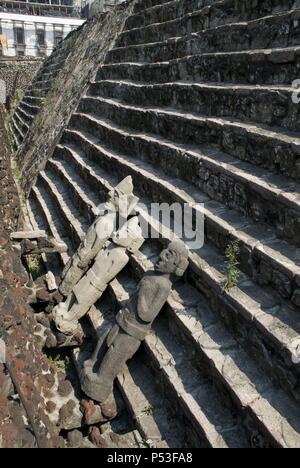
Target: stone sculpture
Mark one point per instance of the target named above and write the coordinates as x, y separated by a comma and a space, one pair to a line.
111, 259
132, 325
119, 206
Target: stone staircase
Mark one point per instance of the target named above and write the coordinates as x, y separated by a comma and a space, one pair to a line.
195, 103
36, 93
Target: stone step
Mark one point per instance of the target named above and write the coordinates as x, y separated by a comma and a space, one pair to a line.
273, 199
165, 12
31, 107
174, 9
148, 407
267, 105
194, 399
71, 182
17, 129
16, 137
272, 148
214, 350
262, 66
145, 4
37, 220
274, 325
59, 195
21, 122
233, 37
46, 215
26, 115
194, 18
35, 100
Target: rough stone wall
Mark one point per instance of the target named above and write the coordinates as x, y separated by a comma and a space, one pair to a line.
17, 74
87, 50
29, 366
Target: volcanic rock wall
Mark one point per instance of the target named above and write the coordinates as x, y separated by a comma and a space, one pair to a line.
28, 366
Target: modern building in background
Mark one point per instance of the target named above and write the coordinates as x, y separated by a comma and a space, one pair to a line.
32, 28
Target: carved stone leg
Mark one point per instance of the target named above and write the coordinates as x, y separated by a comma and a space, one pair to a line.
90, 288
99, 385
71, 275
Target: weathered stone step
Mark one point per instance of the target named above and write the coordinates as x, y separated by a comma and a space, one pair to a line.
193, 395
46, 215
268, 105
274, 325
253, 35
71, 181
31, 107
27, 115
16, 137
166, 12
272, 199
262, 66
67, 211
173, 9
214, 350
260, 145
36, 100
17, 130
21, 122
145, 4
148, 407
38, 220
194, 18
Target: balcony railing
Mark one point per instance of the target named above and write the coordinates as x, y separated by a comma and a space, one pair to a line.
41, 7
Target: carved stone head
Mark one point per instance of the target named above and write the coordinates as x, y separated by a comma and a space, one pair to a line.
173, 259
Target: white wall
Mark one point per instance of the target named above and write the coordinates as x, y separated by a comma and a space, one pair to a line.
7, 21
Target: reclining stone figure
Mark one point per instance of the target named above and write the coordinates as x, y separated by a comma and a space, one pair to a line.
111, 259
132, 325
120, 204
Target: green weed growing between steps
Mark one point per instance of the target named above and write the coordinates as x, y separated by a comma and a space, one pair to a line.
232, 253
35, 265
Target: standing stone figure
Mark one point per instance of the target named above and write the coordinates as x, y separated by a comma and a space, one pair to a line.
132, 325
121, 203
111, 259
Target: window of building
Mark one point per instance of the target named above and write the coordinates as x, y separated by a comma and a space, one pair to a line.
19, 35
41, 39
58, 35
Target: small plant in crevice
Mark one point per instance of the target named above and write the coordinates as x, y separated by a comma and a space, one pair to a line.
232, 253
145, 444
58, 361
35, 265
148, 410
